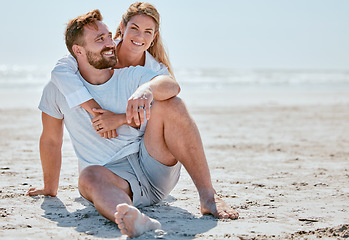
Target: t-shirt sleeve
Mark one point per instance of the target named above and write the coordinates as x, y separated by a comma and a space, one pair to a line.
163, 70
48, 103
65, 77
143, 75
151, 63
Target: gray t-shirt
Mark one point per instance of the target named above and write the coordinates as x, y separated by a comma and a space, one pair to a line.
90, 148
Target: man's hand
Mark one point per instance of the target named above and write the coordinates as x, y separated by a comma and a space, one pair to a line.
107, 121
138, 104
89, 106
40, 191
109, 134
103, 123
161, 87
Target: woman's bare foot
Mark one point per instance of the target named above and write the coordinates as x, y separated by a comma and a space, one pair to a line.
218, 208
132, 222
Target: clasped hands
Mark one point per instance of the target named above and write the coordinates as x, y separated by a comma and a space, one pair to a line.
137, 112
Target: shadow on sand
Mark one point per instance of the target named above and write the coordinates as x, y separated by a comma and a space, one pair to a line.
85, 220
175, 221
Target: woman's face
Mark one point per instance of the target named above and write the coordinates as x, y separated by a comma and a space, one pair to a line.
139, 33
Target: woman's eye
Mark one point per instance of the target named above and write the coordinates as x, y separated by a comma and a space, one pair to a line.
148, 32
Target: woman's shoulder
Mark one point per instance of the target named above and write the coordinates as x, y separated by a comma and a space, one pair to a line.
153, 64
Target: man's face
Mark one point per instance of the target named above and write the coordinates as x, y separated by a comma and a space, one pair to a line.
99, 46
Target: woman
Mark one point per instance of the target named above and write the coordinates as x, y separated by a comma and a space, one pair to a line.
128, 30
138, 43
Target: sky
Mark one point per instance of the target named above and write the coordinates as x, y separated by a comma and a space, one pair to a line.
238, 34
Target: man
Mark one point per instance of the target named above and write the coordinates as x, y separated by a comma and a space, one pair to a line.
141, 166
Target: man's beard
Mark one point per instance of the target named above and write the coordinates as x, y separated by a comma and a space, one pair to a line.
99, 61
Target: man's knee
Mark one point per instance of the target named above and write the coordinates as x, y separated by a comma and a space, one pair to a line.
93, 178
170, 106
89, 177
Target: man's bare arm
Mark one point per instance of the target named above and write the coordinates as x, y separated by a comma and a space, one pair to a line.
51, 157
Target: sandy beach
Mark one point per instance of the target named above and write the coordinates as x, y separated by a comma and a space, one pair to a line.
281, 158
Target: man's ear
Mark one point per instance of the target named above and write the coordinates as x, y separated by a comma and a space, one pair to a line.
77, 50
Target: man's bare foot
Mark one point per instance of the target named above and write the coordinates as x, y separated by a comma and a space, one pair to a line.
132, 222
218, 208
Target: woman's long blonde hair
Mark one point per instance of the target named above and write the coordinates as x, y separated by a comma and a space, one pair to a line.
156, 49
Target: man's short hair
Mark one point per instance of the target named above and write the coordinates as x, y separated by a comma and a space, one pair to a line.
75, 28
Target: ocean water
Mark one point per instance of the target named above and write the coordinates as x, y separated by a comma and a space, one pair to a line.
23, 78
34, 78
264, 79
21, 86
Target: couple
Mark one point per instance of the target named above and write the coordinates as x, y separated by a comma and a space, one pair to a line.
139, 163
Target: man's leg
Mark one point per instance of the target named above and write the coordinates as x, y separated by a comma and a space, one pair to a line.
111, 196
172, 135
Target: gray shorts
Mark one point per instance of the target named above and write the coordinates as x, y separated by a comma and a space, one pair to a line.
150, 180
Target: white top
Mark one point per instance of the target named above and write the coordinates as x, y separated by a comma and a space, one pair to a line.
90, 148
65, 77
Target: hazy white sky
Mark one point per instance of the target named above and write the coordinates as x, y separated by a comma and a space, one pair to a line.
221, 33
